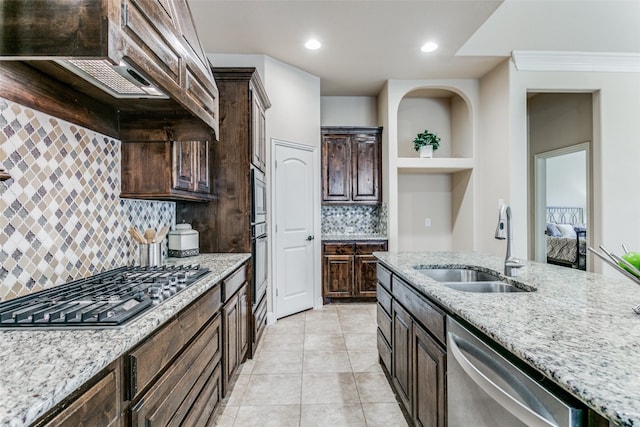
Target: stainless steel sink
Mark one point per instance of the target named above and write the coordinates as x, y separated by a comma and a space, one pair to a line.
484, 287
470, 280
459, 275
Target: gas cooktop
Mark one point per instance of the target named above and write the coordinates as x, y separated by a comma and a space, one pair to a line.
109, 299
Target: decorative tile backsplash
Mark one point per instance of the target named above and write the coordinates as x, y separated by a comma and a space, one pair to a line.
354, 219
61, 217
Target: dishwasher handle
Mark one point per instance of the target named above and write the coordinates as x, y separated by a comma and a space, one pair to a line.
504, 399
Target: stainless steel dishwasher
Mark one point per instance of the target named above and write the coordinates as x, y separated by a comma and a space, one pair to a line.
485, 389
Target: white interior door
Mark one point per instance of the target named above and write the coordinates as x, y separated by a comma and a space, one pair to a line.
294, 229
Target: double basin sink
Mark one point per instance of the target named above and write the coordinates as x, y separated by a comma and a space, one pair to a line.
471, 280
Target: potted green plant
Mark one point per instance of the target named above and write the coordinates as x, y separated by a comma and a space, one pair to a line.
425, 143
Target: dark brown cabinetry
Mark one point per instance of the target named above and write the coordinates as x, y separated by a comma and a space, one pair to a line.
411, 333
157, 38
349, 268
351, 165
235, 325
94, 405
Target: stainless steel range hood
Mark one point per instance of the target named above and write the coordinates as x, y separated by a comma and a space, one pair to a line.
120, 81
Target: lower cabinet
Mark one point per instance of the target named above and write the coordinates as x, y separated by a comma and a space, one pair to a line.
235, 325
93, 406
349, 268
417, 359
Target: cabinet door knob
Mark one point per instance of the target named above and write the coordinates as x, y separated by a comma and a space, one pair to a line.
310, 238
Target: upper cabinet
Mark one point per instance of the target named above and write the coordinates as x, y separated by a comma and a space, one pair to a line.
351, 165
136, 56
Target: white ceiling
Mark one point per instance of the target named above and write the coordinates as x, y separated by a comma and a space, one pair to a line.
366, 42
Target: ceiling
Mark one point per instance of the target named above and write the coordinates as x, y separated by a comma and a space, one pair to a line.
366, 42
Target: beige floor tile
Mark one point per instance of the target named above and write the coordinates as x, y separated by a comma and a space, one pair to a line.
288, 325
275, 345
318, 362
278, 362
268, 416
361, 342
321, 314
332, 415
240, 386
283, 339
247, 367
365, 361
358, 325
322, 326
227, 416
383, 415
324, 342
374, 388
277, 389
329, 388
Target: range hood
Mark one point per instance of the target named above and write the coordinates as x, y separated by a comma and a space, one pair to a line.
121, 81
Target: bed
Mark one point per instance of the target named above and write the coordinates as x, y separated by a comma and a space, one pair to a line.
566, 235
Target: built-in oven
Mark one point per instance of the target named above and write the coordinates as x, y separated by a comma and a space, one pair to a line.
259, 250
258, 197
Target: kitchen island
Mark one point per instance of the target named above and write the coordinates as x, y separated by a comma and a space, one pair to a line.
41, 367
578, 329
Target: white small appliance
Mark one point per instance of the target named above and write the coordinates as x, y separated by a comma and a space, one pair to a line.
183, 241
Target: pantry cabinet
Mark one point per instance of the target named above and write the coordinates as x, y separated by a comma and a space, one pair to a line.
351, 165
349, 268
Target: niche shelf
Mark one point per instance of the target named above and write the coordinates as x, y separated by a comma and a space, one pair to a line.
433, 165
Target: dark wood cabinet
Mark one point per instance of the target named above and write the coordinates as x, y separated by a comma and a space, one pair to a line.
414, 355
95, 405
349, 268
170, 170
235, 325
351, 165
156, 37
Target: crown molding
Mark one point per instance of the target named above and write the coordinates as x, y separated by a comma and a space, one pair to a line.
528, 60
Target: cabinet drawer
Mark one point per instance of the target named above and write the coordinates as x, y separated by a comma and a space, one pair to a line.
384, 277
146, 361
431, 317
384, 350
260, 320
338, 248
367, 248
201, 413
384, 298
171, 397
384, 323
231, 284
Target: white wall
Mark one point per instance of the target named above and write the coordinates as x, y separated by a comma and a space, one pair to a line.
349, 111
567, 180
417, 114
492, 159
616, 217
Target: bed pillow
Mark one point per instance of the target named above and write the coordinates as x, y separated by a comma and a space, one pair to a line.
552, 230
567, 230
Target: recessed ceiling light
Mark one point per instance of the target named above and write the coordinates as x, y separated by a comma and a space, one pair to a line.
429, 47
313, 44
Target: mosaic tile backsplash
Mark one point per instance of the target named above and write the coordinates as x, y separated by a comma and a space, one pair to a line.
61, 217
354, 219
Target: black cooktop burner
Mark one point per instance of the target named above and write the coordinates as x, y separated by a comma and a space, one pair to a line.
108, 299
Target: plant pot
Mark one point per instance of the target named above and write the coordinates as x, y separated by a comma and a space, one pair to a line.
426, 151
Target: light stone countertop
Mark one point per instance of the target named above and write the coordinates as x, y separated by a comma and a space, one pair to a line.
329, 237
577, 328
38, 369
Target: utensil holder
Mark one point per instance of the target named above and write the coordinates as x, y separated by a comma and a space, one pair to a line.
150, 254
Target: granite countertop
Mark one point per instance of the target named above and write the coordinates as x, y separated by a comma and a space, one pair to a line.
354, 237
577, 328
40, 368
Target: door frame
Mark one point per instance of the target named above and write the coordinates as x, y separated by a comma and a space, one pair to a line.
540, 196
317, 270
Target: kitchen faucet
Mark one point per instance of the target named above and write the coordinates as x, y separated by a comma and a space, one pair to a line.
511, 263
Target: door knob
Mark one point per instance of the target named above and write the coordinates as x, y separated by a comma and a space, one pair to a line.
310, 238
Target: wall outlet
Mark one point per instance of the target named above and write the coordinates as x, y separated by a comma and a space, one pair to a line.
348, 229
427, 222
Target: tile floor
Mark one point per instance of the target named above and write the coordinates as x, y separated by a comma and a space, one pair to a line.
317, 368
